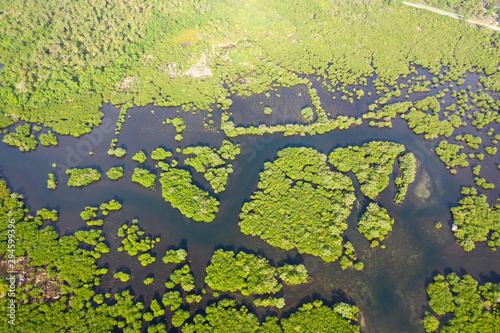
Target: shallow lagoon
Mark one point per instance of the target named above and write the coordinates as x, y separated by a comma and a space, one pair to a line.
390, 291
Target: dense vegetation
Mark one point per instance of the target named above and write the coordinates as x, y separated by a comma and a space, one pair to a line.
21, 138
225, 316
111, 205
182, 277
61, 73
140, 157
48, 139
278, 303
293, 274
178, 123
277, 212
159, 154
177, 188
375, 223
386, 114
316, 317
212, 162
114, 173
118, 152
407, 169
144, 177
372, 164
461, 305
447, 153
52, 182
308, 114
175, 256
247, 273
59, 294
476, 220
133, 240
82, 177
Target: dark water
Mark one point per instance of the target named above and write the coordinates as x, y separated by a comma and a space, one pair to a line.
390, 291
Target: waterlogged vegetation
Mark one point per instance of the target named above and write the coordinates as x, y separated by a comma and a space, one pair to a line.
407, 169
372, 164
103, 74
308, 114
462, 305
52, 182
177, 188
213, 162
159, 154
118, 152
175, 256
21, 138
108, 206
472, 141
293, 274
197, 56
46, 214
247, 273
48, 139
144, 177
114, 173
123, 277
375, 223
347, 260
178, 123
88, 213
140, 157
182, 277
448, 153
71, 271
385, 115
476, 220
82, 177
278, 303
277, 213
134, 240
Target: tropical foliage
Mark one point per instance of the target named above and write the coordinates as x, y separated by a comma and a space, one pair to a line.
476, 220
193, 202
316, 317
372, 164
277, 212
293, 274
133, 240
52, 182
48, 139
247, 273
140, 157
212, 162
375, 223
175, 256
407, 169
21, 138
462, 305
82, 177
144, 177
159, 154
111, 205
114, 173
